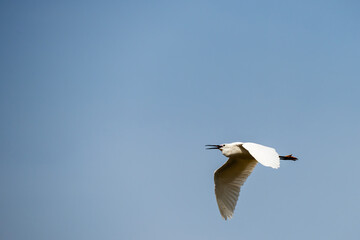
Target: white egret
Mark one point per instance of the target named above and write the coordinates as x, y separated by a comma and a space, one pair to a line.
243, 158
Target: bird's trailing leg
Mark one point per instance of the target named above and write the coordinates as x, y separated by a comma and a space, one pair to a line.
288, 157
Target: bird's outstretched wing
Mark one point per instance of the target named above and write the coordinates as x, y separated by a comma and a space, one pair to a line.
228, 180
265, 155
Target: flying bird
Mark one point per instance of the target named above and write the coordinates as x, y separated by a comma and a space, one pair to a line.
243, 158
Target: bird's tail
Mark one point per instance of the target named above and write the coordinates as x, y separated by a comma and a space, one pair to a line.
288, 157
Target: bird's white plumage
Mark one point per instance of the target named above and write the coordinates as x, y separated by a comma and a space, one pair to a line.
267, 156
228, 180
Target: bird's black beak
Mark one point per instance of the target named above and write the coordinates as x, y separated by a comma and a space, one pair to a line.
213, 146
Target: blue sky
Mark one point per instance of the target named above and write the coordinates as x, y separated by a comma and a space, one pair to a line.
106, 107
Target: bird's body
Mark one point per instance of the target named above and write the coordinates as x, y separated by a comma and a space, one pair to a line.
243, 158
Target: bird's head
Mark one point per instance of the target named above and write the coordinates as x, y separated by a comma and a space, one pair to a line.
224, 148
227, 149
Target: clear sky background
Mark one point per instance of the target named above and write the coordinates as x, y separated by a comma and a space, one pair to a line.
106, 107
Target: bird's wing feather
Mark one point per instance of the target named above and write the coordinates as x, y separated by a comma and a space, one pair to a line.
265, 155
228, 180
